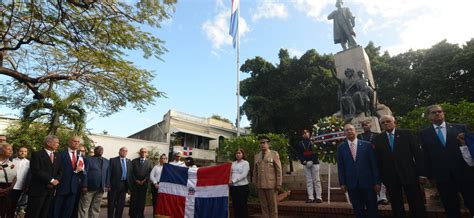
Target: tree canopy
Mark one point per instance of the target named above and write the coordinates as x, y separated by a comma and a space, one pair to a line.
72, 45
289, 96
442, 73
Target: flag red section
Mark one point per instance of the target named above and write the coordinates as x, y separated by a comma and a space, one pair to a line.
214, 175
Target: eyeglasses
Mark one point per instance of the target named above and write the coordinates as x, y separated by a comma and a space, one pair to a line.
436, 112
263, 142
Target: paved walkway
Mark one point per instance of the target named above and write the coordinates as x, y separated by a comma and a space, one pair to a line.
148, 212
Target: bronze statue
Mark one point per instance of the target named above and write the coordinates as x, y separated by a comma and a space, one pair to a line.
355, 95
343, 26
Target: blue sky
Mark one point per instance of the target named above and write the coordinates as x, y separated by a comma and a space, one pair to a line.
198, 73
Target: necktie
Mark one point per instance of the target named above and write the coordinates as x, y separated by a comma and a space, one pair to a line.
353, 151
142, 161
51, 157
73, 160
124, 170
101, 162
440, 135
391, 140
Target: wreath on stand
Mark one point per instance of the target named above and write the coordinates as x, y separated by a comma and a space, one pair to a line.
328, 133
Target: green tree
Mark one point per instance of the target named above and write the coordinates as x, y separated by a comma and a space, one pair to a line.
33, 137
442, 73
223, 119
290, 96
461, 112
72, 45
249, 143
56, 112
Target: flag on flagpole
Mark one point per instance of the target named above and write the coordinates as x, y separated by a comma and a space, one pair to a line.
188, 151
234, 21
194, 192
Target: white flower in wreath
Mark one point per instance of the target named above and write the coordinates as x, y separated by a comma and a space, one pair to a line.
333, 130
334, 143
331, 152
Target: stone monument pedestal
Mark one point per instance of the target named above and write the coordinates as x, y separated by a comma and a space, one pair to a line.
356, 58
356, 122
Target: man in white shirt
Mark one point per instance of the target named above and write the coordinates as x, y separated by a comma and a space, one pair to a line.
22, 166
177, 160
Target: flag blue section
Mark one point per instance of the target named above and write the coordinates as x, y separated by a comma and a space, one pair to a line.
234, 26
469, 138
211, 207
174, 174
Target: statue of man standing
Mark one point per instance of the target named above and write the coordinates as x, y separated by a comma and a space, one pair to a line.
343, 26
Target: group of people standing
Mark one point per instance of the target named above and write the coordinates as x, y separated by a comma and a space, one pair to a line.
68, 184
400, 161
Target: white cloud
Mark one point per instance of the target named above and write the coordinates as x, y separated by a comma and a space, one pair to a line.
421, 23
294, 52
313, 8
217, 29
270, 9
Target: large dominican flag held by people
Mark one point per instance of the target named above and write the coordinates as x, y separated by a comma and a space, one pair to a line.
194, 192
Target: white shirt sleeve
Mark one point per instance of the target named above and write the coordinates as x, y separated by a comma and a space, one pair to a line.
467, 155
153, 175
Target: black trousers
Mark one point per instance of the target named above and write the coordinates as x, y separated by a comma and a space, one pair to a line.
414, 197
154, 197
14, 197
116, 200
137, 201
363, 199
449, 192
38, 206
6, 202
239, 195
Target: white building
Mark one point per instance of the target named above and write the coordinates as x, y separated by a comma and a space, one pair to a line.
112, 144
5, 123
179, 130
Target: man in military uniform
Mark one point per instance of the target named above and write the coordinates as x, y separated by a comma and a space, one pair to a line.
267, 177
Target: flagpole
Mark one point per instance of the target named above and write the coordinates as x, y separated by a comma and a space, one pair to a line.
238, 70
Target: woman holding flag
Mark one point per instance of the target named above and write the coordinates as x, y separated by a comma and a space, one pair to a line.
239, 188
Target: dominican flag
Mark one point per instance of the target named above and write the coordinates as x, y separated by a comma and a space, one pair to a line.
187, 151
194, 192
234, 21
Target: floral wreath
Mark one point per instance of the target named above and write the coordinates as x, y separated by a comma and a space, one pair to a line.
328, 133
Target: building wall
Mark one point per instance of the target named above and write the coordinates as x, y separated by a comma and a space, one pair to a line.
4, 123
112, 145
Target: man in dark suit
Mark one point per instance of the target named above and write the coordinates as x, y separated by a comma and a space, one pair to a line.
46, 170
401, 165
369, 136
73, 163
119, 169
96, 182
445, 163
139, 180
358, 173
